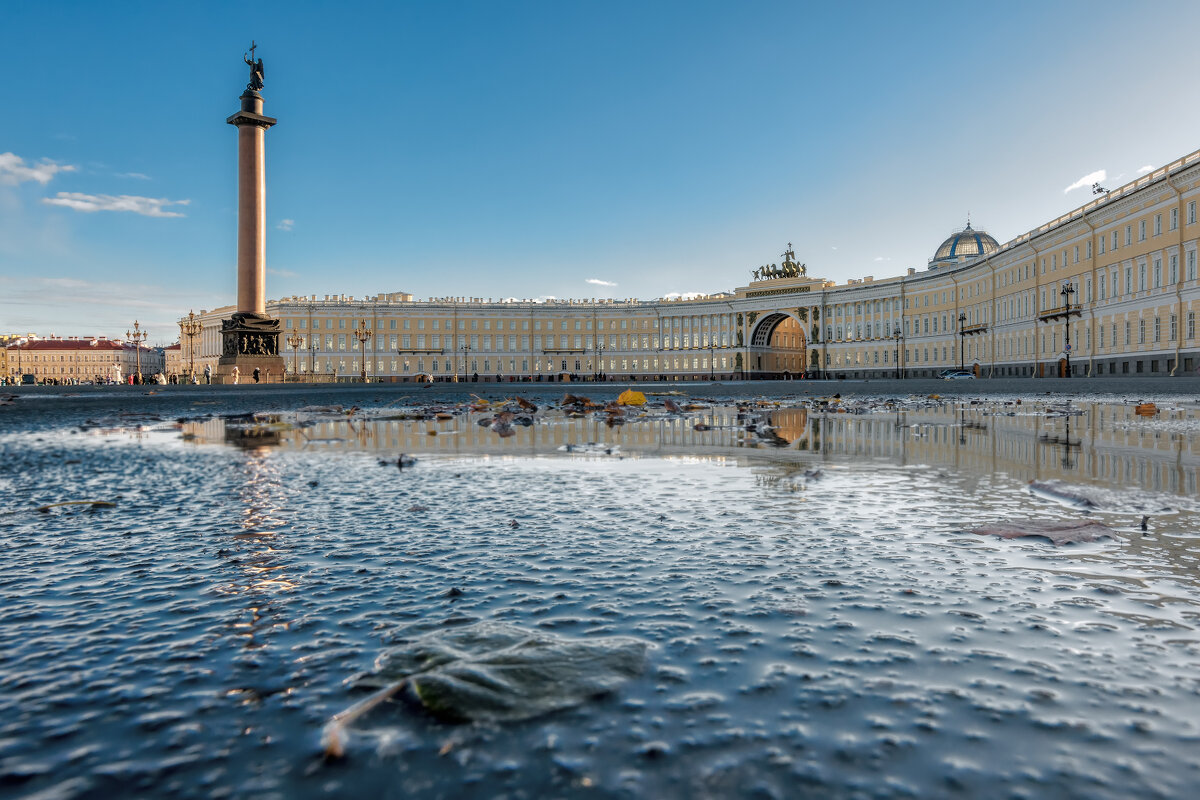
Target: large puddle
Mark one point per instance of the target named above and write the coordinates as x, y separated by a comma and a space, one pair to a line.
819, 618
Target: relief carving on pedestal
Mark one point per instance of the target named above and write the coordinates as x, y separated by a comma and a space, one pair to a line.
250, 335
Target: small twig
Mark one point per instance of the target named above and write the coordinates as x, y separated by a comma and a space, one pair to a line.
92, 503
333, 735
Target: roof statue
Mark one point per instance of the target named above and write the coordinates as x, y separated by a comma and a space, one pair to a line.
256, 70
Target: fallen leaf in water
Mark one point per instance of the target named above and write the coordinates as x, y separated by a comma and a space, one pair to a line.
1058, 531
631, 398
492, 672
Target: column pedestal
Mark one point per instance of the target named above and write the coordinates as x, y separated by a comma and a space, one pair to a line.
249, 342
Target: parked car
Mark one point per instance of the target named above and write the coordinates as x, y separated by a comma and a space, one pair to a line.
959, 375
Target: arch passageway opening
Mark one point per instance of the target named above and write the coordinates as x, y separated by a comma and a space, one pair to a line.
778, 346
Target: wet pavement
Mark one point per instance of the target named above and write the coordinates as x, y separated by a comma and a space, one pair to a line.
818, 617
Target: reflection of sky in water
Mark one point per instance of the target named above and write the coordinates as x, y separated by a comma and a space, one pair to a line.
822, 623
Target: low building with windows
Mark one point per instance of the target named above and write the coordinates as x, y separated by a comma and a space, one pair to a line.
71, 361
1109, 288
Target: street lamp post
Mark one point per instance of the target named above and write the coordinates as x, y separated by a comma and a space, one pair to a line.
137, 337
294, 341
962, 342
896, 337
466, 348
313, 346
362, 333
1067, 290
190, 329
711, 364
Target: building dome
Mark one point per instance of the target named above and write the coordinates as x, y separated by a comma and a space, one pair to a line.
965, 245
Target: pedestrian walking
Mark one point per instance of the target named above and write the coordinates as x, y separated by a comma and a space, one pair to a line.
236, 374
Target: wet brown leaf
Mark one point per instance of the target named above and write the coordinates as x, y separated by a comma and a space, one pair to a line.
1058, 531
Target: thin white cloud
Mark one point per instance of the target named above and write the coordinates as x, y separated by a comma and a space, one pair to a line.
682, 295
137, 176
1087, 180
286, 224
882, 258
13, 170
87, 203
283, 273
599, 282
1145, 169
65, 283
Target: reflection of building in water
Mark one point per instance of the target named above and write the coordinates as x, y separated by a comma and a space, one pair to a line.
1128, 258
462, 436
1108, 444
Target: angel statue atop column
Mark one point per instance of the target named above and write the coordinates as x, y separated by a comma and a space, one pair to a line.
256, 69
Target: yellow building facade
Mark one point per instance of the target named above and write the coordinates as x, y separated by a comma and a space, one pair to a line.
72, 361
1109, 288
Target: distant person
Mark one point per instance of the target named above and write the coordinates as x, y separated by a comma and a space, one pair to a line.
207, 374
255, 374
237, 373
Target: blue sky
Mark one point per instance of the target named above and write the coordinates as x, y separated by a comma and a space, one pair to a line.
530, 149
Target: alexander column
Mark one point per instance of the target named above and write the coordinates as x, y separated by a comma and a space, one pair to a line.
251, 339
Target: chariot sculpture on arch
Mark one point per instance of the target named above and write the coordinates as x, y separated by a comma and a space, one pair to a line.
789, 269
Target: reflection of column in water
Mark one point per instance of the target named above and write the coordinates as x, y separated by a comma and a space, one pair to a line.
256, 575
261, 493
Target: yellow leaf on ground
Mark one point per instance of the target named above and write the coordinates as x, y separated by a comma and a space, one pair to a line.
631, 398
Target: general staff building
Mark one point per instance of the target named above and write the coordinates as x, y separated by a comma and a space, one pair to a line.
1109, 288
